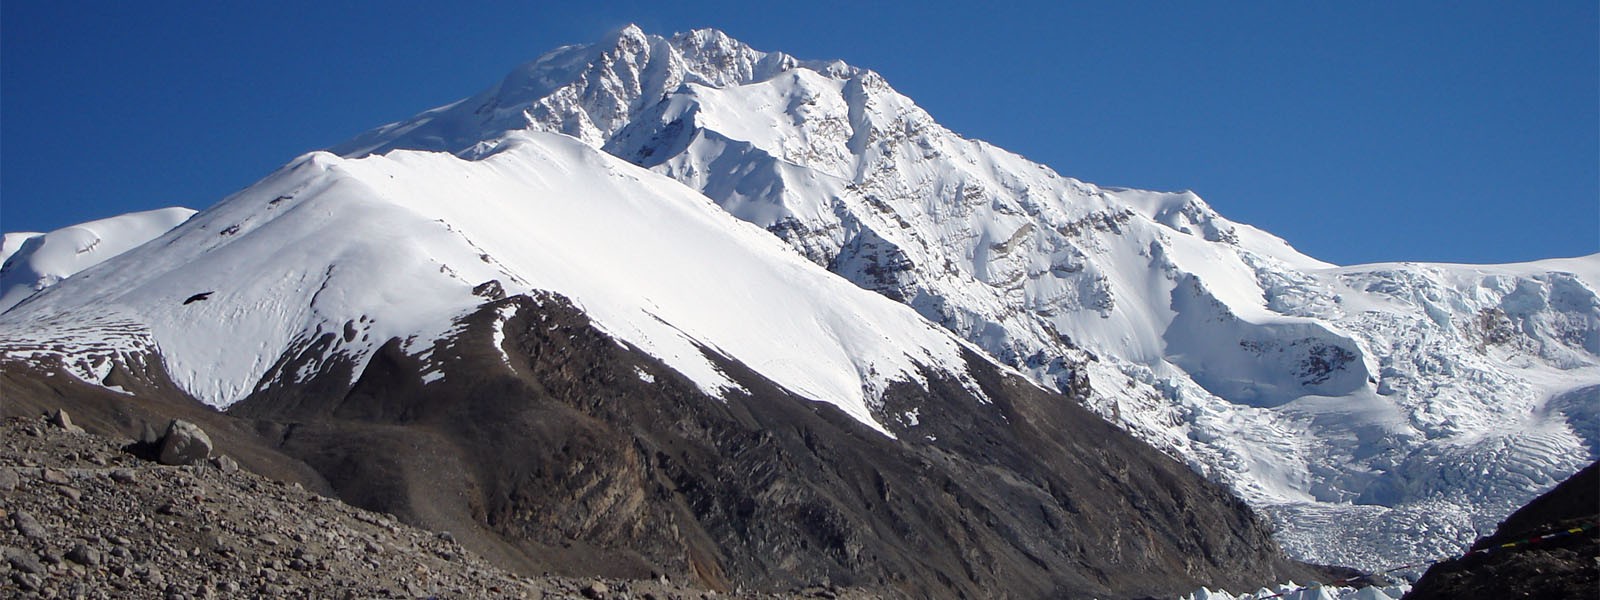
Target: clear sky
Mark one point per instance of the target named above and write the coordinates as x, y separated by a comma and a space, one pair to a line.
1359, 131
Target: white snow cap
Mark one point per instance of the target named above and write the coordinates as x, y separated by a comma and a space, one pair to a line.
34, 261
395, 243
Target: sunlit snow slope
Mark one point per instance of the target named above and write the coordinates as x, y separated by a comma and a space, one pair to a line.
392, 247
1380, 413
34, 261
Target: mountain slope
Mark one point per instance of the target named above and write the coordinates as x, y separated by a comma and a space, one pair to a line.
654, 263
42, 259
1345, 400
575, 364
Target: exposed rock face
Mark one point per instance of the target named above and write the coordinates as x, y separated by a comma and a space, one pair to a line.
1560, 567
184, 444
574, 454
1029, 493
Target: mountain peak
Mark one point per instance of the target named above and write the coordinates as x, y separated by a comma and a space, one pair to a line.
629, 38
1184, 308
707, 38
629, 31
586, 91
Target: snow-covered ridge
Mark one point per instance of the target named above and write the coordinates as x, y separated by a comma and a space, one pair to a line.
11, 242
34, 261
1381, 413
392, 246
586, 91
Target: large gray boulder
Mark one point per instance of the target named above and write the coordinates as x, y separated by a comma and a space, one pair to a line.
184, 444
61, 419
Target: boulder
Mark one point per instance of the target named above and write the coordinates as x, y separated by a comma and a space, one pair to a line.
491, 289
29, 526
61, 419
84, 555
184, 444
224, 463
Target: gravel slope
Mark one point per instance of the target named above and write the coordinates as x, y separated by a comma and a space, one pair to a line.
81, 518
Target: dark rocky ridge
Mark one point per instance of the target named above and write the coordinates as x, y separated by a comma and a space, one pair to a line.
1563, 567
570, 462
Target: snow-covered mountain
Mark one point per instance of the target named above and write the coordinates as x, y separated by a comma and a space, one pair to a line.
653, 263
1380, 413
42, 259
576, 364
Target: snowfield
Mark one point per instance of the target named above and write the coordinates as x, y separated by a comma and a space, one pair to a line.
34, 261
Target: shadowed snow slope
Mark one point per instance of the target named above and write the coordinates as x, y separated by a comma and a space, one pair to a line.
1383, 413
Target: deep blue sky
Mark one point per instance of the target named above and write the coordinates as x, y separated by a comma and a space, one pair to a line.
1359, 131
